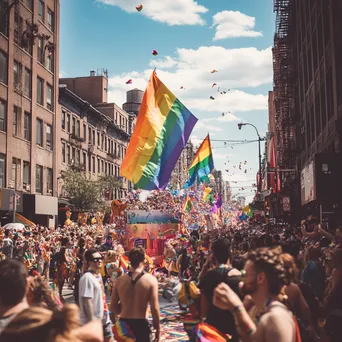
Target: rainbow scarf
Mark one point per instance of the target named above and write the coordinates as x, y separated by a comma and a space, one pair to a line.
202, 164
162, 131
122, 332
207, 333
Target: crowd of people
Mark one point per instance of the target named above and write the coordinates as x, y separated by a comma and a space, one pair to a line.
236, 280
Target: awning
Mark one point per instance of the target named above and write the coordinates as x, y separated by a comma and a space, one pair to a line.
21, 219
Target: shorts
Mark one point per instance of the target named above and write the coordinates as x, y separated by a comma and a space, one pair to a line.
140, 329
107, 330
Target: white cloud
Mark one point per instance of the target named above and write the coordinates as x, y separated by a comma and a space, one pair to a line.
167, 63
237, 68
219, 155
171, 12
233, 24
210, 128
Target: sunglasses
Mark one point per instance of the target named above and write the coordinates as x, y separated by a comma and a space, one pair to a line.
97, 259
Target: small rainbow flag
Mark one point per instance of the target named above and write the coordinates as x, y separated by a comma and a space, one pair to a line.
202, 164
163, 128
188, 204
124, 262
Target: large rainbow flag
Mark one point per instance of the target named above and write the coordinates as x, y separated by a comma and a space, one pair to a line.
162, 130
202, 164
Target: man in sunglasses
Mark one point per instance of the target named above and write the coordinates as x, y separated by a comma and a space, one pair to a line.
92, 297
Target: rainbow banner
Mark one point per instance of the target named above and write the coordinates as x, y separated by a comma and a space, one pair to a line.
202, 164
163, 128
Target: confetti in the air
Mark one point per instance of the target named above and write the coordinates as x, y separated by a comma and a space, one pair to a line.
214, 84
129, 81
139, 8
213, 71
212, 98
154, 52
182, 87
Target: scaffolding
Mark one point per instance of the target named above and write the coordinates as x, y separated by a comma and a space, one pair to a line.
284, 89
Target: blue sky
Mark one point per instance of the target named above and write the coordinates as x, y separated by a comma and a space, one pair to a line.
192, 38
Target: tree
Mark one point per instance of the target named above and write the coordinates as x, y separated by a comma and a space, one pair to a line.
83, 192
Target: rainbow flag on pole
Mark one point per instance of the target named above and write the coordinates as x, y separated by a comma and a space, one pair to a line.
202, 164
162, 130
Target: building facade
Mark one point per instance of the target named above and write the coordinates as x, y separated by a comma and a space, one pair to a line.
29, 70
307, 89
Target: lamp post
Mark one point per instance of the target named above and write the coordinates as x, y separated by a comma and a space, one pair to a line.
259, 141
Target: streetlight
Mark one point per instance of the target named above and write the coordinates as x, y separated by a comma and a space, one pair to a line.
259, 140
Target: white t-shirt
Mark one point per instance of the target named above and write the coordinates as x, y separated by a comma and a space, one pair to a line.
90, 287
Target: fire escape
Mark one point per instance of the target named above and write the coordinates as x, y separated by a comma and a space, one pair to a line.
284, 93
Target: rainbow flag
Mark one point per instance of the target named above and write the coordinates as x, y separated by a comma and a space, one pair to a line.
163, 128
124, 263
188, 204
202, 164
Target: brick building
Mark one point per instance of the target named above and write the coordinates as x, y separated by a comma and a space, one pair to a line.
307, 89
29, 69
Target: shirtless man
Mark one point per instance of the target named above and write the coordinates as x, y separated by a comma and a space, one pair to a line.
130, 298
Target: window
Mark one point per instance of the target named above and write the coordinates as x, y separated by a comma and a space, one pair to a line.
16, 120
4, 19
28, 3
68, 154
105, 167
93, 159
39, 132
93, 138
40, 91
50, 19
89, 135
3, 67
78, 128
17, 75
27, 126
63, 119
98, 139
2, 170
73, 127
78, 157
49, 62
26, 173
98, 165
41, 10
27, 83
105, 144
73, 152
3, 111
68, 123
89, 164
49, 97
39, 179
49, 181
18, 27
49, 145
102, 166
40, 47
63, 152
85, 132
84, 160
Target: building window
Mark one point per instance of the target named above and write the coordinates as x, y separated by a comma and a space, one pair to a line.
41, 10
78, 128
2, 170
63, 152
49, 62
27, 126
105, 144
40, 47
49, 97
98, 139
26, 173
78, 157
49, 181
68, 154
49, 145
39, 179
93, 159
18, 27
27, 83
4, 17
16, 120
29, 4
93, 137
50, 19
89, 135
102, 166
98, 165
68, 123
40, 91
39, 132
73, 152
73, 125
3, 111
89, 164
84, 160
106, 167
85, 132
63, 119
17, 75
3, 66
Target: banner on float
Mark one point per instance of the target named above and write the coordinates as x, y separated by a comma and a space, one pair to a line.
151, 216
